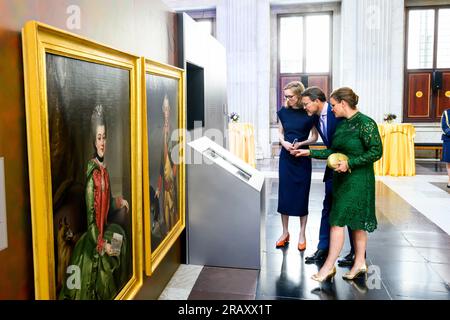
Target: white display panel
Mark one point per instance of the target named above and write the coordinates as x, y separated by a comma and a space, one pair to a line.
228, 161
226, 208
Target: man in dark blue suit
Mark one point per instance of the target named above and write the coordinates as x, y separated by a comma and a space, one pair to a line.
315, 103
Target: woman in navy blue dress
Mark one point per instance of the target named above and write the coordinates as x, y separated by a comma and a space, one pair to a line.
294, 172
445, 124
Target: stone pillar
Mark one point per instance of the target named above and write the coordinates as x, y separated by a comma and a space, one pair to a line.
243, 27
372, 54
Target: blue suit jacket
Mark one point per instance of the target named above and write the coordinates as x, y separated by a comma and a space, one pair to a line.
332, 123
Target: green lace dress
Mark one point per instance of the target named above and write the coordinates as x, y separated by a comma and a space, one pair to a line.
354, 192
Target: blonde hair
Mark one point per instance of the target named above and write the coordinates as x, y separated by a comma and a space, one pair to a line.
297, 88
346, 94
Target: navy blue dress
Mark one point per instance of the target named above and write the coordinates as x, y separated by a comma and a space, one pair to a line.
445, 124
294, 172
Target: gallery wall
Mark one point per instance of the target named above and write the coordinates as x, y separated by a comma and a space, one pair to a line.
141, 27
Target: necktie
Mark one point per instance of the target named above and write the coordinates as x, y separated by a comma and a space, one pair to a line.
323, 125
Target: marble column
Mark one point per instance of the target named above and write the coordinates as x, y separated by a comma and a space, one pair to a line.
243, 27
372, 54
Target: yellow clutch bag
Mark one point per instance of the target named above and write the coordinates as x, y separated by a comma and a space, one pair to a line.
334, 158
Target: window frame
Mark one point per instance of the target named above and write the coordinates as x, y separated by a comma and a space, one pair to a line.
433, 118
304, 75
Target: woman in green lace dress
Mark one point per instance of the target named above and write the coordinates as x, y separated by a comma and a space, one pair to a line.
357, 137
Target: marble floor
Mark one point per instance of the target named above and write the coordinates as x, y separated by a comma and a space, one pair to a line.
408, 255
182, 282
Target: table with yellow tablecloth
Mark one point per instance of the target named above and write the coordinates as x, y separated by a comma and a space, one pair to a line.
242, 141
398, 150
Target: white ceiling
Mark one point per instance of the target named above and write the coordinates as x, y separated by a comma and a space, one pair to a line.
206, 4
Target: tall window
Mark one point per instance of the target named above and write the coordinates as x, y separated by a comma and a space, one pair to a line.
427, 73
304, 50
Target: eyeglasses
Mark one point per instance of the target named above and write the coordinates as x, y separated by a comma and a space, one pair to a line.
288, 97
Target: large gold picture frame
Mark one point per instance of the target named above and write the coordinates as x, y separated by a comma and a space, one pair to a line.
164, 165
41, 45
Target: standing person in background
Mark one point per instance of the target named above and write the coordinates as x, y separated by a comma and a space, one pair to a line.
445, 124
295, 173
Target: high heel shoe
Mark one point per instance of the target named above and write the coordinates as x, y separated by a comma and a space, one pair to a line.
302, 246
282, 243
349, 276
316, 277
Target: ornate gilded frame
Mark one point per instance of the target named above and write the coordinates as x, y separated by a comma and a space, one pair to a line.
152, 259
39, 39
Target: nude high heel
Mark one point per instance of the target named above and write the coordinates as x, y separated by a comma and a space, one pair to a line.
330, 275
349, 276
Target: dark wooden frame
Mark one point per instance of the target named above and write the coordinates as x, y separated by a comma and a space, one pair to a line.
434, 117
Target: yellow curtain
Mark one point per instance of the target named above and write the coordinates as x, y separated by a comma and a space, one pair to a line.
242, 141
398, 150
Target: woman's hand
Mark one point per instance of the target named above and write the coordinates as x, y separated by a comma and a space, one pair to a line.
286, 145
297, 145
124, 203
342, 166
301, 152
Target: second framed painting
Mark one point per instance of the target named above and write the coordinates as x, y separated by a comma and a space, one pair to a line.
163, 153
